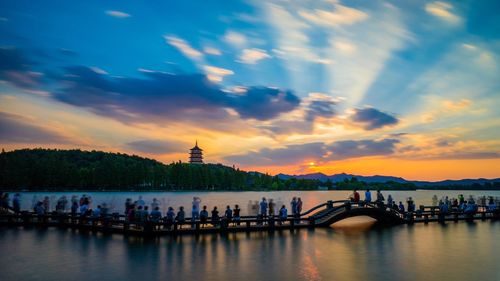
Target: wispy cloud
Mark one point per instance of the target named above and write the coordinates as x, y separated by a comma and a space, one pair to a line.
340, 15
318, 152
235, 38
118, 14
216, 74
157, 146
183, 46
99, 70
212, 51
252, 56
442, 10
20, 129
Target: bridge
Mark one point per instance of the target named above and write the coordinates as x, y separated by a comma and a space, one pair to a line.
322, 215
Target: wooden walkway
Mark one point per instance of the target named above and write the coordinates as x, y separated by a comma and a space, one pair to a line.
322, 215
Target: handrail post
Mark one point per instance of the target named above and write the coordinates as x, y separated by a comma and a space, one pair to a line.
312, 222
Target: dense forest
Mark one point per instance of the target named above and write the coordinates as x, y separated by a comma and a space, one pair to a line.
45, 169
49, 169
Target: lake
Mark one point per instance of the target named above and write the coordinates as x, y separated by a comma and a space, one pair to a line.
350, 250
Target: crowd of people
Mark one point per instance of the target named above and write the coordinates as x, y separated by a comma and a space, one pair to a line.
137, 211
266, 210
445, 205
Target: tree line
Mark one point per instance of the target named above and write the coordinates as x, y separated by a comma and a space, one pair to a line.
54, 169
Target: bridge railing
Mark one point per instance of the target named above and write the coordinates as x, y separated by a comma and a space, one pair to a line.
328, 204
122, 224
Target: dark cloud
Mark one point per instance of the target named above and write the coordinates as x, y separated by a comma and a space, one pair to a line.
371, 118
443, 142
317, 151
163, 96
16, 69
15, 128
352, 149
290, 154
157, 146
320, 108
264, 103
313, 109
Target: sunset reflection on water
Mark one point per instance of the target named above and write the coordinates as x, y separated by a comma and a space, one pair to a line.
350, 250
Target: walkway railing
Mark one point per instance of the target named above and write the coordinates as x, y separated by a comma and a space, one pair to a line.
319, 215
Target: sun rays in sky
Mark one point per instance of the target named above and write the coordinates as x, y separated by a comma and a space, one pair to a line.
402, 88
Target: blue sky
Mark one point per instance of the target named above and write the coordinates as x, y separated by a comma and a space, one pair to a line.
332, 86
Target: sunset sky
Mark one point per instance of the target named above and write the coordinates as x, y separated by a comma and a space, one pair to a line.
402, 88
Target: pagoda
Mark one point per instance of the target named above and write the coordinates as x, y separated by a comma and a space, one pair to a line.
196, 155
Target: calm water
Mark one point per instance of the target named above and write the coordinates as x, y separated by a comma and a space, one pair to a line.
349, 251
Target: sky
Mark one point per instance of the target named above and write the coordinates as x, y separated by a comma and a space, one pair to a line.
401, 88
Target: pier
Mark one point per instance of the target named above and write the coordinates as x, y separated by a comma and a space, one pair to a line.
322, 215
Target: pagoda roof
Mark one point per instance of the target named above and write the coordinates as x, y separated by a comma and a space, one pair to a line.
196, 147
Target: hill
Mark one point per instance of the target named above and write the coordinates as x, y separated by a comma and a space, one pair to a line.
49, 169
53, 169
378, 179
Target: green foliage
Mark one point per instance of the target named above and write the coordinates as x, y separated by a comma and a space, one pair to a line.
47, 169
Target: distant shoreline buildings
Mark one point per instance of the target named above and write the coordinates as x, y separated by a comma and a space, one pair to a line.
196, 155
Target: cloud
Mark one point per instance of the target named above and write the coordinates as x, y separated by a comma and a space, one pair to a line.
216, 74
361, 148
458, 105
18, 129
183, 47
264, 103
157, 146
252, 56
341, 15
442, 10
163, 97
304, 117
345, 47
290, 154
320, 105
15, 68
293, 41
371, 118
118, 14
212, 51
318, 152
234, 38
99, 70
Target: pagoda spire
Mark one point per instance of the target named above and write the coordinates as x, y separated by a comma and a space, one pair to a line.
196, 154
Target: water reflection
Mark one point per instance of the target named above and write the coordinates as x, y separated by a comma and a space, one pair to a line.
348, 251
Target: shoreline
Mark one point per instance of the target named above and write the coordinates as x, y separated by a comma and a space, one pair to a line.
225, 190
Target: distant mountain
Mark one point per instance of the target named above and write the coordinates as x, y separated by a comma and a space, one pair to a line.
480, 181
382, 179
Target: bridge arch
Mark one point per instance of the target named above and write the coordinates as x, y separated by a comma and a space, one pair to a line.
380, 215
331, 215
